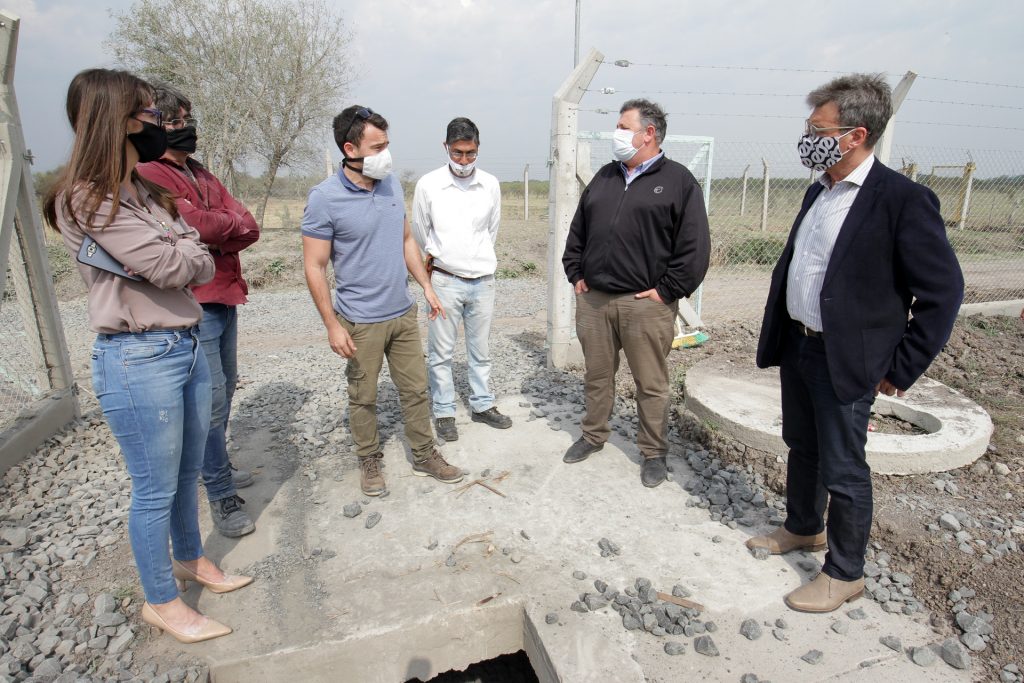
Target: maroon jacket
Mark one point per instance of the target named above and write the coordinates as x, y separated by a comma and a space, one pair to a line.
223, 222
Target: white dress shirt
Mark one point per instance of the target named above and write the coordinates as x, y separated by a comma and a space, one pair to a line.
456, 221
815, 239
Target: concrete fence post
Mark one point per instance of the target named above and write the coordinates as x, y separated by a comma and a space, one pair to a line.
764, 197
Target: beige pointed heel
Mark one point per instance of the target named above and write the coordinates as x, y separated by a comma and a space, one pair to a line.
231, 582
210, 630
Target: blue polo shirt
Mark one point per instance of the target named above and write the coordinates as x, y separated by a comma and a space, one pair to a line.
367, 233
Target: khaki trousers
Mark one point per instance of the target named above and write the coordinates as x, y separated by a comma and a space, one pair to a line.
399, 340
643, 330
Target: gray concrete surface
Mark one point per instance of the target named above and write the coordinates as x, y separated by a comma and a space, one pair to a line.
745, 402
378, 605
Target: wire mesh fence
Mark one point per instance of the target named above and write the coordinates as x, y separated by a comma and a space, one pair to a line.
23, 373
754, 192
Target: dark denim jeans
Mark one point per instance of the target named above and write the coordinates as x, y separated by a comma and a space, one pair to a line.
827, 464
154, 389
218, 333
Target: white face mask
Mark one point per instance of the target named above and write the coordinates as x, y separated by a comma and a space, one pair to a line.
377, 166
622, 144
460, 170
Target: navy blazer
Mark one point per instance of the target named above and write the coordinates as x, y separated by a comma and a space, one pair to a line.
891, 258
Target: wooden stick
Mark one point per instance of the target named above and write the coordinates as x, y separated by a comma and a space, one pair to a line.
490, 488
474, 538
682, 602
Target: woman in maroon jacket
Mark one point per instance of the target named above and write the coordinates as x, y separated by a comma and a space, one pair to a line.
226, 227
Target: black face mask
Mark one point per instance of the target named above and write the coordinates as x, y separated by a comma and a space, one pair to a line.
150, 142
182, 139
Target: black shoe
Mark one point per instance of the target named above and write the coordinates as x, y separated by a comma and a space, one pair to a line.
492, 417
229, 518
445, 427
241, 478
653, 471
580, 451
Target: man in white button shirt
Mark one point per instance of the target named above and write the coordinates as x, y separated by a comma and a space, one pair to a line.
867, 249
456, 210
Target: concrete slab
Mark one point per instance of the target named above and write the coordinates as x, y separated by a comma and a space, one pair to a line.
745, 402
336, 601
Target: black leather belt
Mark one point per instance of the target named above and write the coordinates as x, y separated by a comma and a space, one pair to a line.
467, 279
806, 331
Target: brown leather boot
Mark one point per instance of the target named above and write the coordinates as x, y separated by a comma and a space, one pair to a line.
824, 594
434, 465
371, 479
781, 541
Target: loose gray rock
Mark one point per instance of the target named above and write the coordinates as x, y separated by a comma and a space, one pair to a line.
630, 622
516, 557
551, 618
673, 647
760, 553
372, 519
922, 655
954, 654
857, 614
706, 646
578, 606
841, 627
973, 641
450, 562
779, 634
813, 657
781, 623
600, 585
608, 548
891, 642
578, 575
949, 522
750, 629
432, 545
105, 602
680, 591
352, 510
749, 678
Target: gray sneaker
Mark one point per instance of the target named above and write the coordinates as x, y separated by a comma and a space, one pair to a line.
493, 417
229, 518
241, 478
445, 427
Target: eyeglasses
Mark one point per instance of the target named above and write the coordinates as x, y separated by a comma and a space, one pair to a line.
155, 113
456, 155
811, 129
182, 123
362, 114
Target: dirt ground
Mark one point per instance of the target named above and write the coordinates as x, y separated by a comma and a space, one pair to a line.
984, 359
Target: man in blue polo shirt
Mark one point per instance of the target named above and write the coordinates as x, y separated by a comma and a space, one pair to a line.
356, 219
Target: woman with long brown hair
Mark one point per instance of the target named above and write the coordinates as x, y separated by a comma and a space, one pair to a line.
138, 258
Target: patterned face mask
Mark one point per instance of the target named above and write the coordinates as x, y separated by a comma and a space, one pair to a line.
820, 153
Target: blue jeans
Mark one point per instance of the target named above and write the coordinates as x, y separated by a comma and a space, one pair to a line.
470, 302
218, 333
154, 389
827, 464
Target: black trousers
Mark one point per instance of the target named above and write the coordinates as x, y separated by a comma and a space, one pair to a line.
827, 464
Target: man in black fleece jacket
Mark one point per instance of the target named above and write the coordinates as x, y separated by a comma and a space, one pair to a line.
638, 243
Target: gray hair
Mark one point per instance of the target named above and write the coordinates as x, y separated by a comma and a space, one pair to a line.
864, 100
650, 115
169, 100
462, 129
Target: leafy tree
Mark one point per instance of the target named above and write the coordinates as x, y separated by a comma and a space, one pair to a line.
265, 76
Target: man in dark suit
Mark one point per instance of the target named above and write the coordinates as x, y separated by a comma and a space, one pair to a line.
868, 248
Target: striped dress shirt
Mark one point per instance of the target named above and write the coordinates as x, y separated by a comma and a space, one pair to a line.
815, 239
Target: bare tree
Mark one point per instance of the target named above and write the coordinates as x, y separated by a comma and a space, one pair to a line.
264, 76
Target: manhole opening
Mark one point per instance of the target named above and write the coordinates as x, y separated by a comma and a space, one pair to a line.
889, 417
890, 424
510, 668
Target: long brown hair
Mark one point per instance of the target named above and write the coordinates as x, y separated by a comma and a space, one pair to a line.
99, 104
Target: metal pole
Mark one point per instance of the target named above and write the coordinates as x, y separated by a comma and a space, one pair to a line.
743, 195
899, 93
526, 193
764, 200
576, 54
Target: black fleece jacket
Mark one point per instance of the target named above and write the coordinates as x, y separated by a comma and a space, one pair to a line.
651, 234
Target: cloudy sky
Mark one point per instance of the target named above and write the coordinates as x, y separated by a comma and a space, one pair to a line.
423, 62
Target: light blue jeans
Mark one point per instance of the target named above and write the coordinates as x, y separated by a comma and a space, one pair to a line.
471, 304
218, 333
154, 389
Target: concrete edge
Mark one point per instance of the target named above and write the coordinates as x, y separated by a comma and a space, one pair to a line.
35, 425
1010, 307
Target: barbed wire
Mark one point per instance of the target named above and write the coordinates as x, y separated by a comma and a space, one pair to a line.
613, 91
626, 62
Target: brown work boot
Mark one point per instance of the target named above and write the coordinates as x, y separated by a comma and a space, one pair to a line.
824, 594
781, 541
434, 465
371, 479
